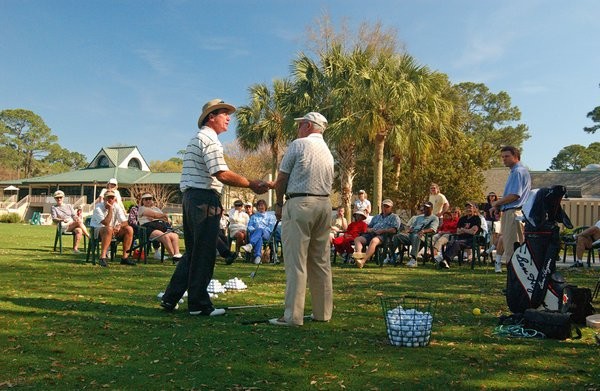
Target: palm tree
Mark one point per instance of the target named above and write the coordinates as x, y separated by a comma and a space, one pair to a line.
264, 120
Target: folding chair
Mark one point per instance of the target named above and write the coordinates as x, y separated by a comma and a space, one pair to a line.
58, 238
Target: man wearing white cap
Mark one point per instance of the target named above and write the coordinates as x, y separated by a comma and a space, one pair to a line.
112, 184
70, 222
305, 177
204, 173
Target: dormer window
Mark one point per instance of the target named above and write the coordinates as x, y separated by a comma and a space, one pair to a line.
134, 163
103, 161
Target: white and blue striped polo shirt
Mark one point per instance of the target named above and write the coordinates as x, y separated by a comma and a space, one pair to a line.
202, 160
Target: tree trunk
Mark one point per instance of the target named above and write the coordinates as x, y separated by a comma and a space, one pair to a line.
347, 163
378, 174
397, 171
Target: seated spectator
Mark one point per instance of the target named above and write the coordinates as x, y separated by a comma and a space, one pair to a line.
70, 220
248, 208
338, 223
362, 203
439, 201
112, 185
343, 243
468, 226
585, 240
427, 223
384, 223
158, 225
447, 228
259, 229
110, 221
238, 222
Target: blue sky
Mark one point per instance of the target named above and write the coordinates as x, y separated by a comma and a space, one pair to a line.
137, 72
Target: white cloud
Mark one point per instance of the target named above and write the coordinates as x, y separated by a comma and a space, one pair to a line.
155, 59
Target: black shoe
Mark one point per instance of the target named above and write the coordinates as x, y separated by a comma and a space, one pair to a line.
168, 306
102, 262
577, 264
229, 260
444, 264
127, 261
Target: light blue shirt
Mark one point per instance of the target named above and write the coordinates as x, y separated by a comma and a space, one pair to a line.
266, 221
518, 183
385, 222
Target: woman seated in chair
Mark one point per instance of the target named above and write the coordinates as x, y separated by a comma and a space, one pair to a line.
260, 226
158, 226
69, 219
447, 228
343, 243
338, 224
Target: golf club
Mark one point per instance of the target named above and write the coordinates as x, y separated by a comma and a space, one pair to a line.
259, 321
274, 249
240, 307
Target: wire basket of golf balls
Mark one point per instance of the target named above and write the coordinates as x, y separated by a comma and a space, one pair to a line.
408, 320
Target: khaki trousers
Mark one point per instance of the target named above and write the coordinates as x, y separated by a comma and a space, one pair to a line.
306, 222
512, 231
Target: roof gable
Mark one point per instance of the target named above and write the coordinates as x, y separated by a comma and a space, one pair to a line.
122, 157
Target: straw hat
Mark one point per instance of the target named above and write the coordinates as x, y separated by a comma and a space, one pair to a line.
213, 105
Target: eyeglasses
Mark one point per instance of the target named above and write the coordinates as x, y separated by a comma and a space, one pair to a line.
58, 198
147, 199
387, 206
109, 197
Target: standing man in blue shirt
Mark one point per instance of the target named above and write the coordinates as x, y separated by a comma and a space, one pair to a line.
516, 192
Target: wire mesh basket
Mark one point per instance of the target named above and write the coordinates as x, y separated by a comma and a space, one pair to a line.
408, 320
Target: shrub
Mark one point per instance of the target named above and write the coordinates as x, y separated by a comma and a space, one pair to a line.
10, 218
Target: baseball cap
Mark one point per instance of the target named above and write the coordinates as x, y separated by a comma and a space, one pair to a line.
388, 202
108, 193
113, 181
59, 193
314, 117
147, 195
428, 204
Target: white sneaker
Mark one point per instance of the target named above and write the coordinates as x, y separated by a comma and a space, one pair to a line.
257, 260
247, 247
215, 312
444, 264
498, 267
157, 254
412, 263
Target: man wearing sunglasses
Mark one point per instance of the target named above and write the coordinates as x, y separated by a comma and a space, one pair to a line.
109, 220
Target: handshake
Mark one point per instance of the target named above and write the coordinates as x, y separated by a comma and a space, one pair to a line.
260, 187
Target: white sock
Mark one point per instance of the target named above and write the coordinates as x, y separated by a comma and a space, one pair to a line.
498, 258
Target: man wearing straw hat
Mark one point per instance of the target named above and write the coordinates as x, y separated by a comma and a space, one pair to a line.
204, 173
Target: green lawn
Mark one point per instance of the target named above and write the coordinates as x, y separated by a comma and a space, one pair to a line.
69, 325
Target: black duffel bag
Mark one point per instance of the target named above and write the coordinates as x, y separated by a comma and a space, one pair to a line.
553, 324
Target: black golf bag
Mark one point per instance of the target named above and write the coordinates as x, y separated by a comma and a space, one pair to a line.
530, 279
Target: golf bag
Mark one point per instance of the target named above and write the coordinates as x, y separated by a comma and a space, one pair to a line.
533, 263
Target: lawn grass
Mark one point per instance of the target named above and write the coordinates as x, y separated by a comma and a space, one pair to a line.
66, 324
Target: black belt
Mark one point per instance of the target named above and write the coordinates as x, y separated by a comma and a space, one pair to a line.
504, 210
294, 195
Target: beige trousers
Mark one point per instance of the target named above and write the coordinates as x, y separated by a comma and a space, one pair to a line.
512, 231
306, 222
